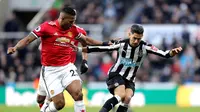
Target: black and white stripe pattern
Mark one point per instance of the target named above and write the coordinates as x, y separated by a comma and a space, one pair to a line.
129, 58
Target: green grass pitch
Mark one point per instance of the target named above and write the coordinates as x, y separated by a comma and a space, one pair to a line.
151, 108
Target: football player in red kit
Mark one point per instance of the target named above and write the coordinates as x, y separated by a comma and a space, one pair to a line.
58, 72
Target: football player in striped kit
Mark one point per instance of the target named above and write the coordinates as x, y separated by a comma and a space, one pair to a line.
121, 76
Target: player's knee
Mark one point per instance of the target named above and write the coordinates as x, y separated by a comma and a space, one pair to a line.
59, 104
78, 95
40, 99
127, 99
122, 95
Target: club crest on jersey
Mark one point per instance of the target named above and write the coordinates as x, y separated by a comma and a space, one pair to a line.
63, 40
154, 48
69, 34
38, 29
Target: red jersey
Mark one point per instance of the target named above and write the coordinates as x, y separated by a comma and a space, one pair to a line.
55, 41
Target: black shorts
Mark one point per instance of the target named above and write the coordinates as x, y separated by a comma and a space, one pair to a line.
115, 79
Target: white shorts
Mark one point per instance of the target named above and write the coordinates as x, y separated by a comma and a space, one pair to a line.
41, 86
56, 79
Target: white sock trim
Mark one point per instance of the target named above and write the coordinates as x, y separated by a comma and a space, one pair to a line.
51, 107
118, 98
124, 105
79, 103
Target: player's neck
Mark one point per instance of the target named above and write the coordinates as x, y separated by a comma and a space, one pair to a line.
62, 27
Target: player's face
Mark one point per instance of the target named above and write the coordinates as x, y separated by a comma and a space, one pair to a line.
66, 20
135, 38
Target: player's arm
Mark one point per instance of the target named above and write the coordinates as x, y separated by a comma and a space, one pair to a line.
84, 65
22, 43
89, 41
166, 54
90, 49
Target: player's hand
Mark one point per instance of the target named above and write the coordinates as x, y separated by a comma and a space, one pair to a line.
84, 66
115, 40
111, 42
175, 51
11, 50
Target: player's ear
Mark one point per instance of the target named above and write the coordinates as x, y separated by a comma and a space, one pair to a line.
129, 34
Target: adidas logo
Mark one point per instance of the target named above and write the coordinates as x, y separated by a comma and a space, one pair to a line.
56, 34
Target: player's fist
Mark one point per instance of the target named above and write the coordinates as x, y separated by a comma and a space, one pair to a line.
11, 50
84, 66
175, 51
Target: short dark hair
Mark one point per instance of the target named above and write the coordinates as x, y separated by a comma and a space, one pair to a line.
69, 10
136, 28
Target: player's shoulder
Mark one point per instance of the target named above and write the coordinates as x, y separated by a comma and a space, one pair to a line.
145, 43
78, 27
123, 40
49, 23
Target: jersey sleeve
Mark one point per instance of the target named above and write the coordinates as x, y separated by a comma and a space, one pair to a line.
83, 31
102, 48
154, 50
80, 31
40, 30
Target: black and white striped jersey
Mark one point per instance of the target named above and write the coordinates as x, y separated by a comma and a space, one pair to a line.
129, 58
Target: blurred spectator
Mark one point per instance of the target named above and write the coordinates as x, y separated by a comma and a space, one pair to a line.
11, 24
168, 11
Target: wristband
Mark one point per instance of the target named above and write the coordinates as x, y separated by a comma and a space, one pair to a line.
105, 44
80, 49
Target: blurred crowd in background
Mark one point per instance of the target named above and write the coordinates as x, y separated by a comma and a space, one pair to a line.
184, 68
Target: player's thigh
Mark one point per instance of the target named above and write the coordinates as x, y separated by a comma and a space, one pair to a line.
57, 78
130, 87
74, 88
129, 94
52, 86
120, 91
114, 83
72, 81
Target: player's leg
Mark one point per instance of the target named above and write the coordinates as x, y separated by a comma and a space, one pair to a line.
130, 89
116, 86
56, 104
72, 83
41, 93
40, 100
125, 103
52, 77
75, 90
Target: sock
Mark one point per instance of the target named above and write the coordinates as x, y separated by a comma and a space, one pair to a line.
122, 108
110, 103
44, 105
79, 106
50, 108
40, 105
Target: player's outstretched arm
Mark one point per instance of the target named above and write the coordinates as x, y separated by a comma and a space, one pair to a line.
85, 40
84, 65
90, 49
166, 54
22, 43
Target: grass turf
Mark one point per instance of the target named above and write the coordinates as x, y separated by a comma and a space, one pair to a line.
149, 108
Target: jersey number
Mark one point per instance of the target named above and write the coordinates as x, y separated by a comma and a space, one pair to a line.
72, 71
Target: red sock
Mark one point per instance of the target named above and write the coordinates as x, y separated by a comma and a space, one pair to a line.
40, 105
